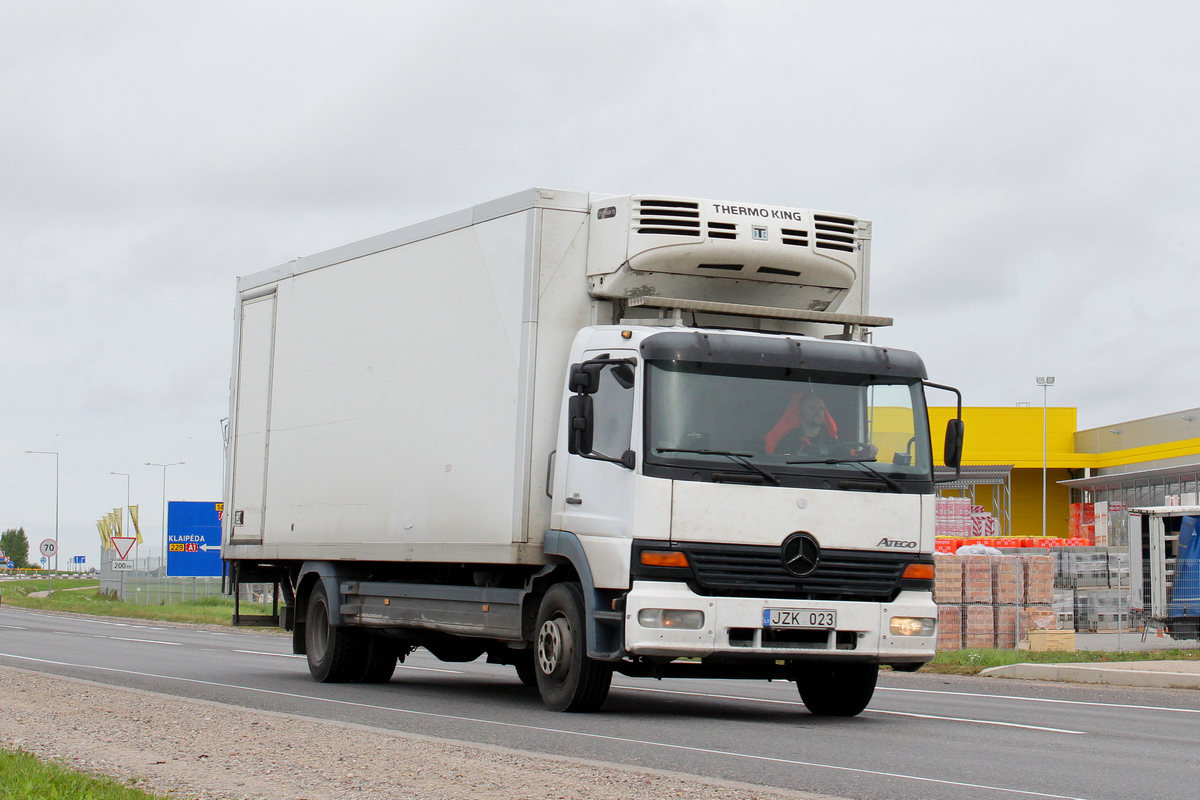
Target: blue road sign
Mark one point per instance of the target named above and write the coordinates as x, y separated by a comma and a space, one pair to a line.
193, 539
80, 560
12, 565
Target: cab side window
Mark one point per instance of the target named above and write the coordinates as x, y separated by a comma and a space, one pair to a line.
613, 409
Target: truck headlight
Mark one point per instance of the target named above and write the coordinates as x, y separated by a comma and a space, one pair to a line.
913, 626
671, 618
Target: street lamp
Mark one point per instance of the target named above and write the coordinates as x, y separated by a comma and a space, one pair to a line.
55, 454
163, 552
1045, 383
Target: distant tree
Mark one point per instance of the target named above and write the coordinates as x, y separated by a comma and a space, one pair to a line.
15, 546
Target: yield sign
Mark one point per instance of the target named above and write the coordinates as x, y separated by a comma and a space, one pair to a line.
123, 544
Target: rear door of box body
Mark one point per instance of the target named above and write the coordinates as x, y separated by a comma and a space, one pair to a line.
251, 433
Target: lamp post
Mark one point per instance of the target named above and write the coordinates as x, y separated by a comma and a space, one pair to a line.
163, 552
1045, 383
55, 454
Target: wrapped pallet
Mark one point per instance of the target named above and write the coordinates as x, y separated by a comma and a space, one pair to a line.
947, 579
979, 626
950, 627
977, 578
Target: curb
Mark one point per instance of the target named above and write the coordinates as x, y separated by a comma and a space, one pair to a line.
1086, 673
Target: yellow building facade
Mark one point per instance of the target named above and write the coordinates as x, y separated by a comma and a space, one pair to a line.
1012, 437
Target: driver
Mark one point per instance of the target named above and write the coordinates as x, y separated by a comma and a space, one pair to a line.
806, 426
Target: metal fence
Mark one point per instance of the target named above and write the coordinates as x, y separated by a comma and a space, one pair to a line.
146, 584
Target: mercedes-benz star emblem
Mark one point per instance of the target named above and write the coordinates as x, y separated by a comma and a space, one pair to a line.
801, 554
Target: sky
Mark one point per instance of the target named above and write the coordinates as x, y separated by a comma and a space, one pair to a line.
1031, 170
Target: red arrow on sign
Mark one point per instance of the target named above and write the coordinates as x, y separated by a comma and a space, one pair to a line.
123, 544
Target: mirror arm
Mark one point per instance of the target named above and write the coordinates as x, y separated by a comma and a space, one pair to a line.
628, 459
957, 394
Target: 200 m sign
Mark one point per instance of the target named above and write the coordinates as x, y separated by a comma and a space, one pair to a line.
798, 618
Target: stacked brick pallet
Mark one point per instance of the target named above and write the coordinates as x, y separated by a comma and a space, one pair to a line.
952, 516
987, 601
956, 517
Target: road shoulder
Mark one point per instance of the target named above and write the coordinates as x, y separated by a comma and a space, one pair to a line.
213, 751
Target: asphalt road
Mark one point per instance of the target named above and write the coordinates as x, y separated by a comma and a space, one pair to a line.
924, 737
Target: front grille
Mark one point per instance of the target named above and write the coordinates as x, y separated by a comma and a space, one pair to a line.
834, 233
669, 217
757, 571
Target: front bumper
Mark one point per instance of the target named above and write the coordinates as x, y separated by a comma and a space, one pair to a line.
733, 627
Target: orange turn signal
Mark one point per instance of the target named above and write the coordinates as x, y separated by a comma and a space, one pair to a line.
664, 558
920, 572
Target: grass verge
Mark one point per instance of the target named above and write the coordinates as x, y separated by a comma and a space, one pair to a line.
83, 597
971, 662
24, 777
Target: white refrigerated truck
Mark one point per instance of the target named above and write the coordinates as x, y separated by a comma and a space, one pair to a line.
583, 433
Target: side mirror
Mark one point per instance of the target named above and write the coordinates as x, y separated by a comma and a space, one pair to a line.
585, 377
580, 414
954, 443
952, 455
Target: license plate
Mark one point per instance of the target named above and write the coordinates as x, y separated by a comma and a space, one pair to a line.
798, 618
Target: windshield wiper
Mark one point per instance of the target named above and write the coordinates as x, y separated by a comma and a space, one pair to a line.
737, 458
891, 483
858, 462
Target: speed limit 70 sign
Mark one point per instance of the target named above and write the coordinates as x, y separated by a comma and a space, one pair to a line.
48, 547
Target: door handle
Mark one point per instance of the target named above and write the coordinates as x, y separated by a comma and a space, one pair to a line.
576, 500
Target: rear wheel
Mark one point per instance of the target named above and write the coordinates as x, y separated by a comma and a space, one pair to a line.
566, 678
836, 690
380, 662
336, 654
526, 670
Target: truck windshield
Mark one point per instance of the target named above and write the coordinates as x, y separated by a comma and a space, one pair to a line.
786, 422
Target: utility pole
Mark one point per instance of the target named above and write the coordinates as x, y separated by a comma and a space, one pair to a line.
163, 543
55, 454
1045, 383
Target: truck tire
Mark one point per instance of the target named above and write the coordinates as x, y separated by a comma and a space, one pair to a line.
380, 662
566, 678
526, 669
336, 654
836, 690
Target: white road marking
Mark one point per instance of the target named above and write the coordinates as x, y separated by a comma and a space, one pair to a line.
977, 721
399, 666
261, 653
868, 711
433, 669
14, 627
1043, 700
119, 638
561, 731
91, 621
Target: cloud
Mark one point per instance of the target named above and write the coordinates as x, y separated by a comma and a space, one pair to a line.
1029, 168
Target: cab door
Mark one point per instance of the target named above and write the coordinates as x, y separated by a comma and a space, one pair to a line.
599, 493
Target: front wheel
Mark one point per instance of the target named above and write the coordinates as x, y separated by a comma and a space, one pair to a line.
836, 690
566, 678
